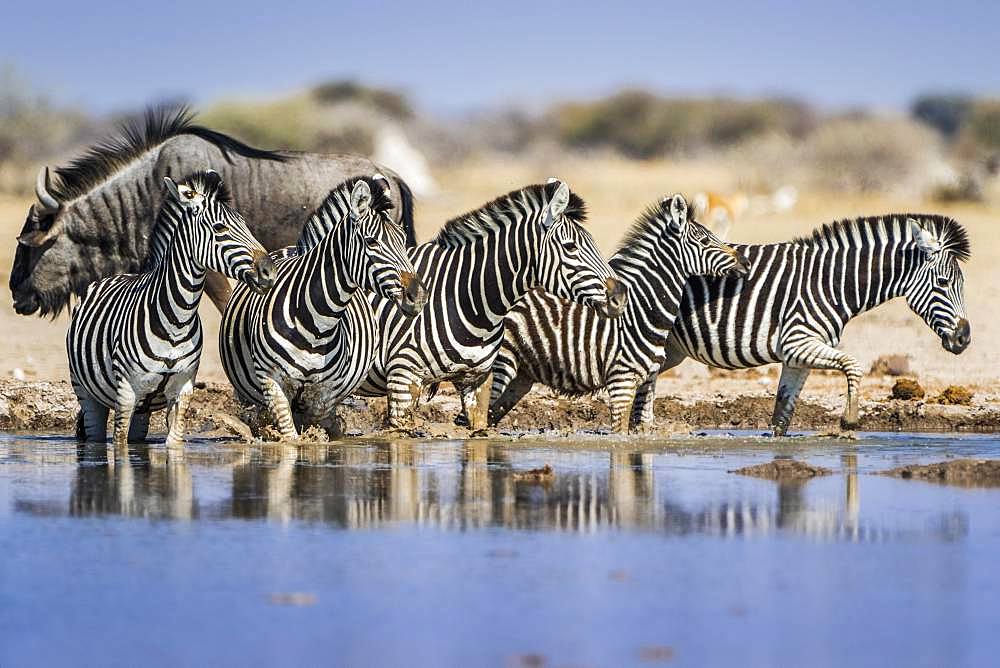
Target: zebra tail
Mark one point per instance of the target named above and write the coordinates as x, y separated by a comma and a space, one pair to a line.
430, 392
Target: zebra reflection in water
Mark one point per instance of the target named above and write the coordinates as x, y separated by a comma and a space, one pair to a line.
474, 486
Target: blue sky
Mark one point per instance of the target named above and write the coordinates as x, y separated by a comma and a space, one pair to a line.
455, 57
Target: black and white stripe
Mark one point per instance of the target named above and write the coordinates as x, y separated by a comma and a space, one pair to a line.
475, 269
135, 340
307, 344
576, 351
798, 296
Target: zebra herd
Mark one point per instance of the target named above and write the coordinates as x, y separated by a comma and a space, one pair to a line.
516, 289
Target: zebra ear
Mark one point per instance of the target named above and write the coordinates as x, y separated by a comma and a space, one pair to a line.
926, 241
172, 189
560, 200
361, 198
677, 209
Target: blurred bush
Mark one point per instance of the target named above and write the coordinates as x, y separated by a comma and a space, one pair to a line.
33, 131
333, 117
946, 113
849, 153
642, 125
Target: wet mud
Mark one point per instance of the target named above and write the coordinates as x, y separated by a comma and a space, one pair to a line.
44, 406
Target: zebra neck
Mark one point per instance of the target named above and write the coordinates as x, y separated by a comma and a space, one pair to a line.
331, 277
178, 281
868, 277
489, 275
654, 297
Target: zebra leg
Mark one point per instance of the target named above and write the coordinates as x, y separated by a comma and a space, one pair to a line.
92, 421
789, 387
476, 402
401, 387
506, 397
622, 396
176, 413
818, 355
281, 410
139, 429
125, 400
642, 407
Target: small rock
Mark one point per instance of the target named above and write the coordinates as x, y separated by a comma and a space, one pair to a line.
539, 476
784, 469
907, 389
961, 472
954, 395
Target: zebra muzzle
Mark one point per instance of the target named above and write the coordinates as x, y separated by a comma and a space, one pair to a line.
617, 297
742, 266
959, 339
414, 294
264, 272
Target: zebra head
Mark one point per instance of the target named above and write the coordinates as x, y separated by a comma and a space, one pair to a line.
700, 252
219, 236
936, 291
376, 247
570, 265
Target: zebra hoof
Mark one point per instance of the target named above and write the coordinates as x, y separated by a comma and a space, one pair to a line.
461, 420
848, 423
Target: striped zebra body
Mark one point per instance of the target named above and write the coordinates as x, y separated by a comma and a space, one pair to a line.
134, 341
798, 297
307, 344
477, 267
574, 350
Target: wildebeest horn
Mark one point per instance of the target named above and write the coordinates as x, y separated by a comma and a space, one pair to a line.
48, 202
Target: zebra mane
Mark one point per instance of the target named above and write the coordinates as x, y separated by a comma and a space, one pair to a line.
336, 204
133, 138
953, 237
649, 224
209, 184
475, 224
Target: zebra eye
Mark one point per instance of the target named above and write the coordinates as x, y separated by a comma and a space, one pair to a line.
570, 246
371, 243
943, 281
220, 228
189, 194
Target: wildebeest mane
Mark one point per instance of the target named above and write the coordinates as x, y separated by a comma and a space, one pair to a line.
135, 137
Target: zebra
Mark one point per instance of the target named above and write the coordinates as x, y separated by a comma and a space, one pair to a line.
476, 268
303, 347
574, 350
134, 340
794, 304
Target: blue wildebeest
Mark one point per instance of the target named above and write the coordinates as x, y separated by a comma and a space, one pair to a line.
94, 217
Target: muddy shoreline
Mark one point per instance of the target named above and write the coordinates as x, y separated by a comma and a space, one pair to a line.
44, 406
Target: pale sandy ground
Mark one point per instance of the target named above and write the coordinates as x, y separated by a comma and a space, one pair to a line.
616, 191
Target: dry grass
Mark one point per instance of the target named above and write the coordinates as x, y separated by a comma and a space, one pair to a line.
616, 190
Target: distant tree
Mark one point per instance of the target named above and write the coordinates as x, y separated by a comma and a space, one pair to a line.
946, 113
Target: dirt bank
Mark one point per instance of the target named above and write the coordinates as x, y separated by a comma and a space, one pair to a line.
51, 407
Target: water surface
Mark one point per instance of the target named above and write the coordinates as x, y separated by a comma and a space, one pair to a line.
409, 553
